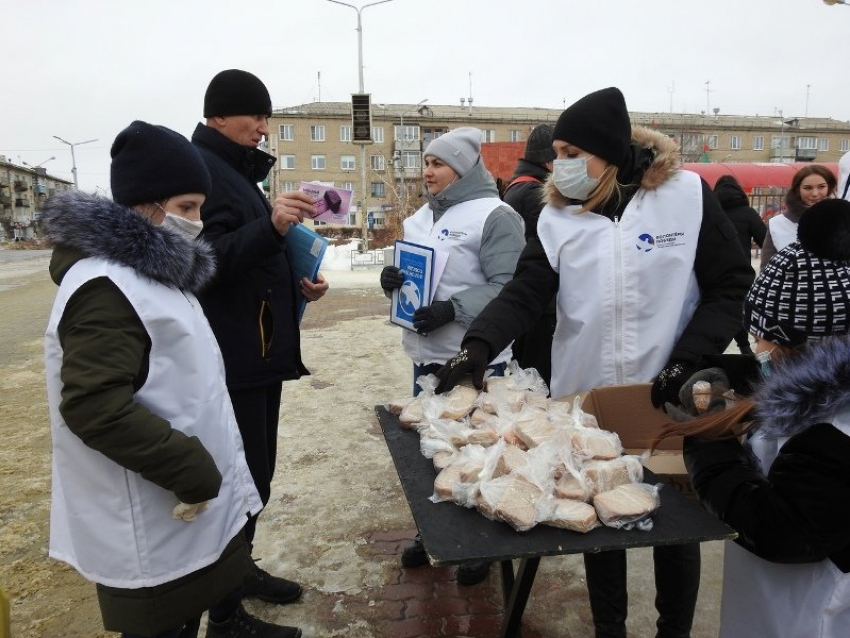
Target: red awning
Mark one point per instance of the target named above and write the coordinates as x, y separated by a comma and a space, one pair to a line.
756, 175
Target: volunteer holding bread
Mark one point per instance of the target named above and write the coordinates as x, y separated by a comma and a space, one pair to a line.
649, 276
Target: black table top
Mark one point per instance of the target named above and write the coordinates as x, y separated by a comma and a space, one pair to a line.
455, 534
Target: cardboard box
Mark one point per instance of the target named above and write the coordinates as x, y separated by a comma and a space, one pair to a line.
627, 410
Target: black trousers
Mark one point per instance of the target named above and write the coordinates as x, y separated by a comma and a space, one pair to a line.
677, 569
257, 413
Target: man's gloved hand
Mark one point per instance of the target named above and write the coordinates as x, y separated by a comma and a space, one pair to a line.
428, 318
473, 359
188, 511
665, 388
391, 278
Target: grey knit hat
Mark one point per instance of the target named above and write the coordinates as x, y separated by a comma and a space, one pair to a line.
803, 293
460, 149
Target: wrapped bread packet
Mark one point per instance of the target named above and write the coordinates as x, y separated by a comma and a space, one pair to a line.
575, 516
627, 506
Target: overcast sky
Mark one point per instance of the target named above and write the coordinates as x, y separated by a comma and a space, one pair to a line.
84, 69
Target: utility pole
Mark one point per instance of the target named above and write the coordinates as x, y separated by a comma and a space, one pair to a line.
363, 192
73, 159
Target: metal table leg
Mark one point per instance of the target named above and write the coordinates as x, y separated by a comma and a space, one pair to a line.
516, 592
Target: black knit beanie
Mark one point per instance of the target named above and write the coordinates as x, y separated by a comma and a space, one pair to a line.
538, 148
151, 163
803, 293
599, 124
235, 92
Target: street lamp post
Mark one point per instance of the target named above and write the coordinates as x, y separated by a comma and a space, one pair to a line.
73, 159
363, 192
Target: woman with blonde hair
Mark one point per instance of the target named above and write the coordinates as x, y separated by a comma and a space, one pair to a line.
776, 466
649, 276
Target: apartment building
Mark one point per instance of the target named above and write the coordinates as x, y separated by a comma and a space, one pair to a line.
313, 142
23, 192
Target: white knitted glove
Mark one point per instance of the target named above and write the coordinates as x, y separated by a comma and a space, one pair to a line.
188, 512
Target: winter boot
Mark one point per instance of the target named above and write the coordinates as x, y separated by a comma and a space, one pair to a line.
243, 625
271, 589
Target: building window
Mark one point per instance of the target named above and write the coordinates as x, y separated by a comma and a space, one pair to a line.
344, 133
287, 162
378, 134
758, 142
317, 162
287, 132
289, 186
516, 135
411, 133
347, 163
808, 143
488, 135
780, 141
711, 140
844, 145
378, 189
349, 186
735, 142
411, 159
823, 144
429, 134
317, 133
377, 162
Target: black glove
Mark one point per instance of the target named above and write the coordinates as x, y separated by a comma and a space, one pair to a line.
391, 278
685, 409
473, 358
428, 318
665, 388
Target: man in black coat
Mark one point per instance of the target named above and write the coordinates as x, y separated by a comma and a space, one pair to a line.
524, 193
251, 303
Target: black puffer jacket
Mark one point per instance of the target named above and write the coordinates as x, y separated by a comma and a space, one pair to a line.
526, 197
744, 218
251, 302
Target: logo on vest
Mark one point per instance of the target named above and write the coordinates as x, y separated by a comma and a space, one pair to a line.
647, 242
451, 234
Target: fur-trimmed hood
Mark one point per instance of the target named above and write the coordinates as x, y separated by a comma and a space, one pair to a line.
805, 388
665, 162
98, 227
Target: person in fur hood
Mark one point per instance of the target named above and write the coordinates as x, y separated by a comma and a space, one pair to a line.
785, 488
150, 488
649, 277
808, 186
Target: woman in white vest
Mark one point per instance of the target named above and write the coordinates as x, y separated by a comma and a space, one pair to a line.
785, 489
151, 490
809, 185
649, 276
483, 238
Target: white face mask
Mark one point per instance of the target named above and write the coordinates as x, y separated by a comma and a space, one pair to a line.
182, 225
571, 178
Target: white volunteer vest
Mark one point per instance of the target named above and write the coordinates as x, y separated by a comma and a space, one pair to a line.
109, 523
783, 231
627, 289
458, 232
756, 592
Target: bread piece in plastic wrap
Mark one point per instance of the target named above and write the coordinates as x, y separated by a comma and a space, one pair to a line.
511, 458
395, 407
511, 499
481, 419
571, 487
575, 516
411, 414
627, 506
601, 476
459, 402
502, 401
534, 428
596, 444
442, 459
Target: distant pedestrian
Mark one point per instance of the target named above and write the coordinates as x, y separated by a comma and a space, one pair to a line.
525, 194
809, 185
751, 229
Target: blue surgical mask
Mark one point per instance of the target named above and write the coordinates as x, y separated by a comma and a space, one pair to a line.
182, 225
571, 178
764, 361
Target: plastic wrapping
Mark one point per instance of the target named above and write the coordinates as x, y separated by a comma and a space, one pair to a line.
628, 506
